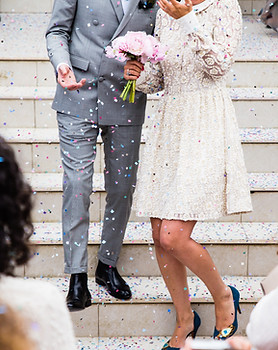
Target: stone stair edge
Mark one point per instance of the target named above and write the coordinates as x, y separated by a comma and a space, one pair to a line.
46, 93
152, 290
39, 136
52, 182
139, 233
128, 342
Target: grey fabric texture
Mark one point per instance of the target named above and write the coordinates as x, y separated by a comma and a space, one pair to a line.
78, 34
78, 151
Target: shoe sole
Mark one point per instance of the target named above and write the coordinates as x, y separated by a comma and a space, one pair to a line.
103, 284
79, 307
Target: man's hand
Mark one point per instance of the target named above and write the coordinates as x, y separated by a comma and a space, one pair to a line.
133, 69
66, 78
174, 8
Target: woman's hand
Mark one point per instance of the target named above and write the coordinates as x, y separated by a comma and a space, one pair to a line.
174, 8
133, 69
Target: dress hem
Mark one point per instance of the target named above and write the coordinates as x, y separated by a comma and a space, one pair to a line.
190, 217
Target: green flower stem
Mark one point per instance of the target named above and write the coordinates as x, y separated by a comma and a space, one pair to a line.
129, 89
132, 92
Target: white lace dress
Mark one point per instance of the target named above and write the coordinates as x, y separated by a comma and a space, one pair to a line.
192, 166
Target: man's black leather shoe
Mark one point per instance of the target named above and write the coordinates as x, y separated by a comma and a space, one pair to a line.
109, 277
78, 296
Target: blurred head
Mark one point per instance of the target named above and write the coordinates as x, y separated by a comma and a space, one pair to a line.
262, 329
15, 212
12, 332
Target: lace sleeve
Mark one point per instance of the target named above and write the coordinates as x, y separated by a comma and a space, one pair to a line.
151, 79
215, 50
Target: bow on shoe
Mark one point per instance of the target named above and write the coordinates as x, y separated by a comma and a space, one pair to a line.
226, 332
146, 4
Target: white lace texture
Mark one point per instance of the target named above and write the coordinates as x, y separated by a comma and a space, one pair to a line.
192, 165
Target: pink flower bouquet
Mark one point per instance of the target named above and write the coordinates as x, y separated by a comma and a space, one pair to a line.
138, 46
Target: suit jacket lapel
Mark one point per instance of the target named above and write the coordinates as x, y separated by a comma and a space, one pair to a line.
117, 5
128, 15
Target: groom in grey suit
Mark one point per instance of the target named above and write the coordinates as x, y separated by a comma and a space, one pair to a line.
88, 100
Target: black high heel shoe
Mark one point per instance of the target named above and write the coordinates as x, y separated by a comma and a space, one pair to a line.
197, 323
229, 331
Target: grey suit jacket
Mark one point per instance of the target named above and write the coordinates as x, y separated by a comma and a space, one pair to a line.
78, 33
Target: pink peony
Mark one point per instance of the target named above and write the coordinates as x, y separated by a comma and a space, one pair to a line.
110, 53
139, 46
136, 45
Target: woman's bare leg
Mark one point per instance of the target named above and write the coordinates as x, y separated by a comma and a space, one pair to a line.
176, 241
175, 277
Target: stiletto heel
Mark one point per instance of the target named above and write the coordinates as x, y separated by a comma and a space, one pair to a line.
197, 323
229, 331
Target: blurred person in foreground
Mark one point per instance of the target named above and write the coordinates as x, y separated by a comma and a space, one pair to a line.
48, 323
13, 335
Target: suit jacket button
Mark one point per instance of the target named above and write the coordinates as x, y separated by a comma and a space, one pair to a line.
100, 79
95, 22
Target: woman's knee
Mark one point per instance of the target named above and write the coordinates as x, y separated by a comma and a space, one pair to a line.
169, 241
172, 233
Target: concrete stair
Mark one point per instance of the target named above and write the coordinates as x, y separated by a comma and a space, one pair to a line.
249, 7
115, 318
244, 247
116, 343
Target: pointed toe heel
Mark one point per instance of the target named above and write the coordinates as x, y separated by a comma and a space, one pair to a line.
230, 331
197, 323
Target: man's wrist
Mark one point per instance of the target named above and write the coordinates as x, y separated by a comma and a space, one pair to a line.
60, 64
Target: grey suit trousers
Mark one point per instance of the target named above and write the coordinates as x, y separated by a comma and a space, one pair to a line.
78, 137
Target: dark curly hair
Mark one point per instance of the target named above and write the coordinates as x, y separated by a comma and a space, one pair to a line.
15, 212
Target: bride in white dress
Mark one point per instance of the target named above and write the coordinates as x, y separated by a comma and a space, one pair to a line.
192, 166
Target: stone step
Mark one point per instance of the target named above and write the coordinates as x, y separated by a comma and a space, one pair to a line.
19, 31
117, 343
244, 73
48, 182
248, 7
29, 107
26, 6
237, 248
252, 7
48, 199
50, 136
47, 208
108, 317
139, 233
256, 61
38, 149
